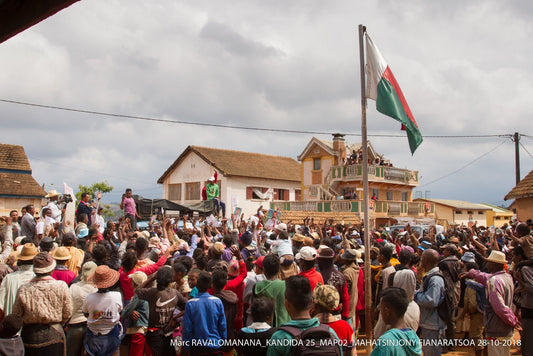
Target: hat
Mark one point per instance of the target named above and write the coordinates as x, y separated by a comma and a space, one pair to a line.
138, 277
259, 261
246, 238
374, 249
52, 193
281, 227
154, 241
218, 248
315, 235
297, 227
46, 244
454, 239
28, 252
409, 248
354, 233
420, 247
62, 254
211, 179
349, 254
233, 268
306, 253
308, 241
87, 269
468, 257
326, 296
18, 240
43, 263
145, 234
183, 246
298, 237
426, 244
104, 277
325, 252
497, 257
83, 232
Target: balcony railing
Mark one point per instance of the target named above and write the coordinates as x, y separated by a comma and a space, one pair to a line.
378, 208
375, 173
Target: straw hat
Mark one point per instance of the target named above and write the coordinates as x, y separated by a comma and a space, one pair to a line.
28, 252
298, 237
62, 254
52, 193
497, 257
104, 277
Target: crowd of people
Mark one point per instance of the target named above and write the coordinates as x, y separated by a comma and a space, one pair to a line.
247, 286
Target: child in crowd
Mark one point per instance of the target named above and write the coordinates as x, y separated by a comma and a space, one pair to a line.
192, 277
136, 312
260, 329
11, 343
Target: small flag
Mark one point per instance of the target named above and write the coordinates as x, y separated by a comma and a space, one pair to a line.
382, 87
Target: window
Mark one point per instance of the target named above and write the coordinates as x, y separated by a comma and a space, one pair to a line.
174, 192
192, 191
297, 194
390, 195
458, 212
470, 212
480, 213
375, 193
405, 196
256, 193
281, 194
317, 164
313, 191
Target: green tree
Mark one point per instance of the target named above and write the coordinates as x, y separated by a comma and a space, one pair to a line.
102, 187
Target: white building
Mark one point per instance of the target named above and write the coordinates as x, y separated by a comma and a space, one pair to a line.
246, 180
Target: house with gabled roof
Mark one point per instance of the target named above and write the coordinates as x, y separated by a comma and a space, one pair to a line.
498, 216
247, 180
457, 212
17, 186
522, 194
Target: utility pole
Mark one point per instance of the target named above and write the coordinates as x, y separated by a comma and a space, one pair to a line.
516, 139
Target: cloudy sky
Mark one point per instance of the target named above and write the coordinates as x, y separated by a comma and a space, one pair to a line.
464, 67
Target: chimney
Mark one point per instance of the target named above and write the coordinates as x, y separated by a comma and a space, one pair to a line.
339, 148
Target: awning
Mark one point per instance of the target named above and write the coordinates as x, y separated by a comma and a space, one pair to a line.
18, 15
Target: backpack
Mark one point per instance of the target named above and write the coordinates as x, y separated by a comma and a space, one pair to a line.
446, 308
317, 340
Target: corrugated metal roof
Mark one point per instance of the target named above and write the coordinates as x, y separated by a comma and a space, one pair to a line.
459, 204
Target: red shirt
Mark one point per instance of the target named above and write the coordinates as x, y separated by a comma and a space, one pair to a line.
63, 274
313, 276
343, 330
125, 281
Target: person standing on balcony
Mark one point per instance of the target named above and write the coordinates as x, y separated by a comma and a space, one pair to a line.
213, 193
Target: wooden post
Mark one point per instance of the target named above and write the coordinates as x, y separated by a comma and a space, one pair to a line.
366, 197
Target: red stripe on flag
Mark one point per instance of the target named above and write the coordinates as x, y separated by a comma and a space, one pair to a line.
387, 75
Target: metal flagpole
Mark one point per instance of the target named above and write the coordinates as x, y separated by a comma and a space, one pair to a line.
364, 145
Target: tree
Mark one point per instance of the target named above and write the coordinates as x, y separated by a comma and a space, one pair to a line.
102, 187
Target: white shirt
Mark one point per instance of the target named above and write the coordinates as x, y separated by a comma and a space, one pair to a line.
99, 220
104, 311
79, 291
56, 212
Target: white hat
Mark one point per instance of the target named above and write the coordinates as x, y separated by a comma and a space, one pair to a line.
496, 257
281, 227
211, 179
306, 253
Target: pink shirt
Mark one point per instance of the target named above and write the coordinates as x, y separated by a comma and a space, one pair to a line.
129, 206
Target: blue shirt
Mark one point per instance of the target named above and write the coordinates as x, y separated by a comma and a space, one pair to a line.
204, 320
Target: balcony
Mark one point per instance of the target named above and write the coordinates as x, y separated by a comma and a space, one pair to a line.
354, 172
378, 209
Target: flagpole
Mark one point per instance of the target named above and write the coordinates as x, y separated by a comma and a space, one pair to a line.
364, 145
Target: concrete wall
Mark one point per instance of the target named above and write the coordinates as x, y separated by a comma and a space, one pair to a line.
8, 204
524, 208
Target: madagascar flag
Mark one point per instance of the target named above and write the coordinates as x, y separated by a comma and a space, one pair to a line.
382, 87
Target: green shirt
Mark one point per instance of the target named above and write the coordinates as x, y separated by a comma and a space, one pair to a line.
211, 190
396, 342
276, 348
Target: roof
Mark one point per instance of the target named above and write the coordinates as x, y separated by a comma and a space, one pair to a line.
16, 15
328, 147
498, 209
458, 204
244, 164
19, 184
15, 173
524, 188
13, 157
